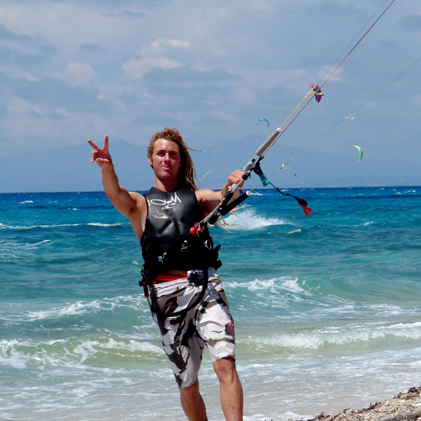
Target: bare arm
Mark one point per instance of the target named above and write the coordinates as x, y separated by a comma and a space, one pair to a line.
127, 203
209, 199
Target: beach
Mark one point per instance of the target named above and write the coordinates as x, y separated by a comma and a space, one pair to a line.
326, 308
403, 406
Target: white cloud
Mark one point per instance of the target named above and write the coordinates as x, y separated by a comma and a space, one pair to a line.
79, 74
62, 112
14, 73
135, 68
19, 106
170, 42
255, 41
76, 74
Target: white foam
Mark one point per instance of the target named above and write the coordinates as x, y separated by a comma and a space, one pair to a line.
80, 307
30, 227
97, 224
247, 220
65, 352
9, 356
285, 283
336, 335
132, 346
273, 285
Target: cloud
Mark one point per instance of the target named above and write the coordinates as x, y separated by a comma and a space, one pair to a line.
137, 68
170, 42
14, 73
77, 74
53, 93
62, 112
150, 58
21, 106
73, 68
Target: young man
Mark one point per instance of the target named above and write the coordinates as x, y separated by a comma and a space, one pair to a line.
188, 300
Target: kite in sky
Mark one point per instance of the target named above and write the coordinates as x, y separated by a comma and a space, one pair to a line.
317, 91
360, 151
263, 119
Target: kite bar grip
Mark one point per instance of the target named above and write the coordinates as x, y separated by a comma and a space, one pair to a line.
214, 217
263, 179
235, 203
268, 142
261, 175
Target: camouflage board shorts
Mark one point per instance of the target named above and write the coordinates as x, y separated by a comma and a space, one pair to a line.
184, 336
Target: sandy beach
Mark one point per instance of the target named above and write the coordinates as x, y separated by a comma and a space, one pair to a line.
404, 406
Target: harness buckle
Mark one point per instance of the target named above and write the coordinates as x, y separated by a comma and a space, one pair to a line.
162, 258
185, 246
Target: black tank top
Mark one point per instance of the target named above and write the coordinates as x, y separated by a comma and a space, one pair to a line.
169, 215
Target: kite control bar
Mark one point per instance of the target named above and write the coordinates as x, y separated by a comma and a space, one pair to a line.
253, 165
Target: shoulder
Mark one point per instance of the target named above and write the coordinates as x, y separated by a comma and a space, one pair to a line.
139, 202
208, 200
137, 196
203, 195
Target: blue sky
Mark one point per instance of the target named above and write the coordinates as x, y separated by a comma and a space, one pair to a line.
73, 70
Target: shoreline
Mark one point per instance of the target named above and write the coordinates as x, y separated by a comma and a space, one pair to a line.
404, 406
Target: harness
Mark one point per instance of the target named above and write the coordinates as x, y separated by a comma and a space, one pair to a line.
170, 213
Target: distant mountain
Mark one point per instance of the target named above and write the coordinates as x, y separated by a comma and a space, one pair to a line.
69, 169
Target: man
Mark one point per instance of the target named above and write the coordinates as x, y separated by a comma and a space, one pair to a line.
188, 300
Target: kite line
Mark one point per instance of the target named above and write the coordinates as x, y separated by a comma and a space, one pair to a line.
227, 204
316, 88
348, 117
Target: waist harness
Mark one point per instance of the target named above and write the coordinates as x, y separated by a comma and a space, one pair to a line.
182, 252
168, 244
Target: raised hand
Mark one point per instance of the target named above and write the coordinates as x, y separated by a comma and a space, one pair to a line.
236, 177
101, 156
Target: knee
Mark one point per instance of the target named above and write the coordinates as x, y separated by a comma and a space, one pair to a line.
190, 393
225, 369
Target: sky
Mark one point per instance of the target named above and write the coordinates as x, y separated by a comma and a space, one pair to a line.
72, 70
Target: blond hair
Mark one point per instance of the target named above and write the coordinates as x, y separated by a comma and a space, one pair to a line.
187, 174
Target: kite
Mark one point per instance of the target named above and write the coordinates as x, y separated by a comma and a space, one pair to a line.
317, 91
360, 151
263, 119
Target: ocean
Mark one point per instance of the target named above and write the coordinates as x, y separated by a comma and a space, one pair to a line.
326, 307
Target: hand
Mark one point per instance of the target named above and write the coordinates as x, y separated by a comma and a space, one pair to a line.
235, 178
101, 156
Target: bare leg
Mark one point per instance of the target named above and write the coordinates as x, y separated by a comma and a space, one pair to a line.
231, 391
192, 403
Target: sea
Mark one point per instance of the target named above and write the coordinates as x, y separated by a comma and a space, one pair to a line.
326, 307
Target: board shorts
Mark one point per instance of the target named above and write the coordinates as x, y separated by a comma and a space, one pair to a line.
184, 336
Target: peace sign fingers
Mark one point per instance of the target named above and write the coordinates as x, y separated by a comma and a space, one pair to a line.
100, 154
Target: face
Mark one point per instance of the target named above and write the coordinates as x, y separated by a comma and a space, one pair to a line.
165, 159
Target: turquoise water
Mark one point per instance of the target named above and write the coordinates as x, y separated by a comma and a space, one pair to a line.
326, 307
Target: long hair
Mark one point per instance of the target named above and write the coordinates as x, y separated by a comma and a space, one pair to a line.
187, 173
